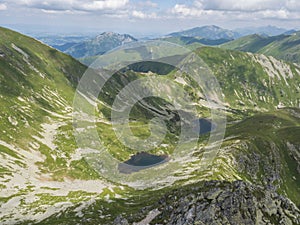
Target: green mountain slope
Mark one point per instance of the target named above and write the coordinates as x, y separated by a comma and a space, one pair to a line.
44, 178
257, 166
196, 42
260, 150
254, 82
37, 148
285, 47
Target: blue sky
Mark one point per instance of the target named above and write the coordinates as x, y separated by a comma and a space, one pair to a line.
144, 18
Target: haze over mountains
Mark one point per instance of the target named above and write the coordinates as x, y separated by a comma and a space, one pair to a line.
45, 178
86, 48
209, 32
96, 46
266, 30
215, 32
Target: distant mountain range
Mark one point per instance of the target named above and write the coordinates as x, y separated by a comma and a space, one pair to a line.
58, 40
214, 32
86, 48
265, 30
96, 46
286, 47
46, 178
209, 32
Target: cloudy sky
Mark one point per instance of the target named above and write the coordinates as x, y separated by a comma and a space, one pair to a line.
144, 17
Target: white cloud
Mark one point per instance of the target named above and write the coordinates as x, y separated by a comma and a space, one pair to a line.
3, 7
186, 11
245, 9
241, 5
109, 8
247, 5
142, 15
293, 5
63, 12
100, 5
147, 4
278, 14
73, 5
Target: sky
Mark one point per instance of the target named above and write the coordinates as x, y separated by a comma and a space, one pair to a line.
142, 18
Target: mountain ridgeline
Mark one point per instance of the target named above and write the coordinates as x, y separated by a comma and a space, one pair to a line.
284, 46
96, 46
208, 32
214, 32
45, 178
256, 41
264, 30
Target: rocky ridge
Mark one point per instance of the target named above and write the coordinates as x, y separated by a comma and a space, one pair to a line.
217, 202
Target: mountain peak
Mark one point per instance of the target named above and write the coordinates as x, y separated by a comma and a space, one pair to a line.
99, 45
212, 26
109, 33
114, 34
212, 32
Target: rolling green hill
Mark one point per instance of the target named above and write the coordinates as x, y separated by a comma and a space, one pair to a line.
196, 42
45, 177
36, 143
285, 47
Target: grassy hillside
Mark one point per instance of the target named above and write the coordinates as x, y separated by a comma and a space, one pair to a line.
253, 82
194, 42
45, 178
37, 88
37, 146
285, 47
261, 150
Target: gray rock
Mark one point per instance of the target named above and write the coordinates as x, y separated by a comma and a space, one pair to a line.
120, 221
228, 203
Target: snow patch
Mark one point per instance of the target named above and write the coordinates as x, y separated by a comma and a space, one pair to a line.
151, 216
180, 80
26, 59
13, 120
20, 51
273, 67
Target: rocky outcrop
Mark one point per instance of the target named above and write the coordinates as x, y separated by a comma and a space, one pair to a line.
216, 202
120, 220
227, 203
